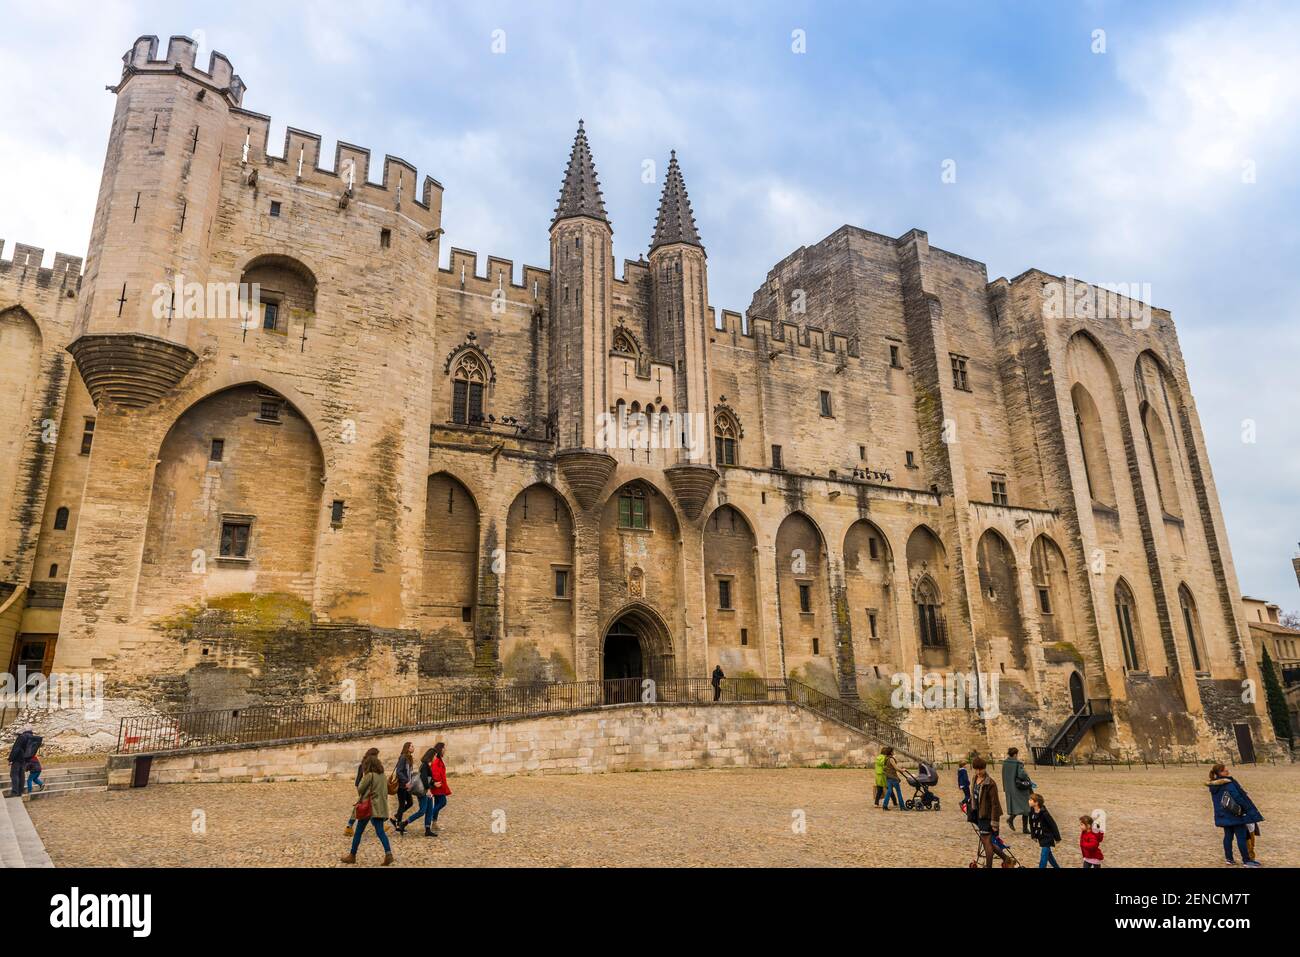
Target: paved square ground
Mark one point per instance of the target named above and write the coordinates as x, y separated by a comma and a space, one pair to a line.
668, 818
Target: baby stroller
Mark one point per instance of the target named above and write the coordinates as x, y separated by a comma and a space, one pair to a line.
998, 844
922, 799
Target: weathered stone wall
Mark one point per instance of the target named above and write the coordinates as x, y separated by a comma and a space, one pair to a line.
621, 738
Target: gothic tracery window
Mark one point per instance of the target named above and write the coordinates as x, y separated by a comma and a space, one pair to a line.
725, 432
929, 620
468, 383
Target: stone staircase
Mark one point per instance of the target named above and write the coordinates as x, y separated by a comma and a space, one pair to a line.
20, 845
66, 779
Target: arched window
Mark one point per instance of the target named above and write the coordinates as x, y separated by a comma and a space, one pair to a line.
468, 383
929, 621
725, 432
633, 510
1126, 615
61, 518
1192, 625
1096, 461
1162, 462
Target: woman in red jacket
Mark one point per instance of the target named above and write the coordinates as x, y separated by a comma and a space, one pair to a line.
438, 788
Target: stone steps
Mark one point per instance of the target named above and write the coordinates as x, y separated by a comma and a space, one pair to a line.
62, 780
20, 845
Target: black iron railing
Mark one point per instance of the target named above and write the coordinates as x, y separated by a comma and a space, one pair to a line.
869, 724
305, 721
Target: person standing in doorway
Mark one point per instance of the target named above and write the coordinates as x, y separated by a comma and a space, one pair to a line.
717, 682
1017, 787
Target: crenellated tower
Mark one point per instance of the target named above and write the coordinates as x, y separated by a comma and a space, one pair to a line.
157, 201
680, 332
581, 296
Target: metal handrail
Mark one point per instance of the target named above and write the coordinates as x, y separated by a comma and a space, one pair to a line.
308, 720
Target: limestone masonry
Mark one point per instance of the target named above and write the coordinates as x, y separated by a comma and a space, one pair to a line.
373, 476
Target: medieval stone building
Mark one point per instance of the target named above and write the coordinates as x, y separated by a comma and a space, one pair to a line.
389, 476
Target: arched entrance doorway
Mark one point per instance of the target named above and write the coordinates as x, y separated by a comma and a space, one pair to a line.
1077, 697
624, 656
636, 646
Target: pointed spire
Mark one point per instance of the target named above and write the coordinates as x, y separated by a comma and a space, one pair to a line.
676, 223
580, 192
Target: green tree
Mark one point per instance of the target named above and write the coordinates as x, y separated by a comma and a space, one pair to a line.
1276, 699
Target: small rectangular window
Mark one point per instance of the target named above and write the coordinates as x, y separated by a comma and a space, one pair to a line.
776, 458
862, 453
88, 437
805, 599
744, 636
466, 613
561, 583
724, 594
960, 380
911, 460
385, 238
234, 539
825, 398
873, 549
270, 315
1045, 601
817, 647
269, 411
871, 620
218, 450
275, 207
336, 512
999, 487
895, 360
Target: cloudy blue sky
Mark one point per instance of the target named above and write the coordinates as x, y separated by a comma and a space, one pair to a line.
1122, 166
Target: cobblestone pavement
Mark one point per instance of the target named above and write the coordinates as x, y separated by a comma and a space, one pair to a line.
667, 818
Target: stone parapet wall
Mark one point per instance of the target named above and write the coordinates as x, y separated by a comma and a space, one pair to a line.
618, 738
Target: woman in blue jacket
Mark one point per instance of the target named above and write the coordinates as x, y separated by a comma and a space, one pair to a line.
1234, 811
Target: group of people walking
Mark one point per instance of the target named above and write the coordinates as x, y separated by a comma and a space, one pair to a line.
409, 782
982, 803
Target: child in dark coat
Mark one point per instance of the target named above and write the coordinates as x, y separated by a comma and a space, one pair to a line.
1043, 829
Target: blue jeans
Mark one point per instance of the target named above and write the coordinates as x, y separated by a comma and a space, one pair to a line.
423, 811
379, 829
439, 802
34, 777
893, 790
1240, 833
1047, 859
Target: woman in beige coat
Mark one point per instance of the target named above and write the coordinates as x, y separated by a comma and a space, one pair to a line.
373, 785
